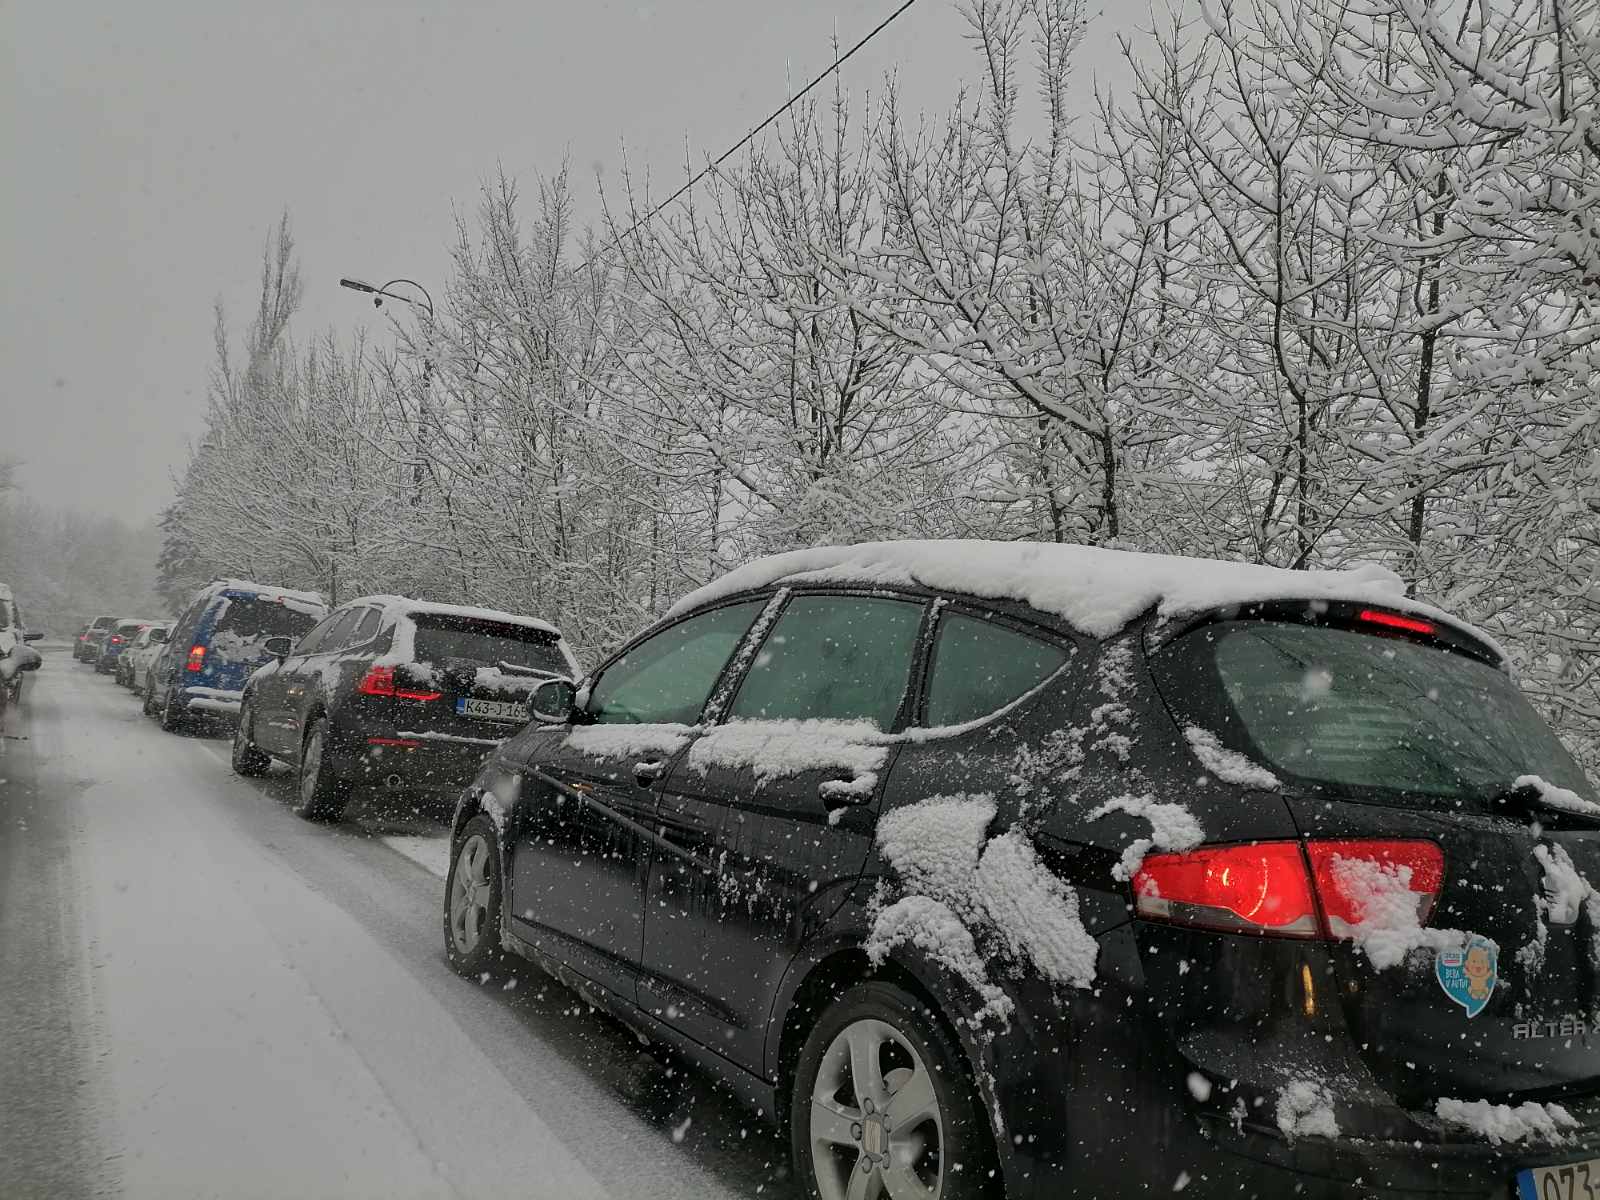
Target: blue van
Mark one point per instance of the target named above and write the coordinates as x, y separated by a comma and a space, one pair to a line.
218, 642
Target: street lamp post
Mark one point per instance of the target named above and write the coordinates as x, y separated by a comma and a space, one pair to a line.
378, 294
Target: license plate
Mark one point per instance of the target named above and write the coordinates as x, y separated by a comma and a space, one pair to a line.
1570, 1181
492, 710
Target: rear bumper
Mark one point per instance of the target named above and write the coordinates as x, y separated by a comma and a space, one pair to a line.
410, 760
1264, 1163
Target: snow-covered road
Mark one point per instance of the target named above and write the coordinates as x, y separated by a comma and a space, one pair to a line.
203, 995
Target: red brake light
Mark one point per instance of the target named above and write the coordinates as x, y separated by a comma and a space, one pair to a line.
197, 658
1262, 887
116, 639
1373, 616
379, 681
1324, 888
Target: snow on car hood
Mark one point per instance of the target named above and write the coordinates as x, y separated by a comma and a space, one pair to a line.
1095, 590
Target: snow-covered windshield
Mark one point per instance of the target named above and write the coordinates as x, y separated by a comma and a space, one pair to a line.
1359, 712
440, 637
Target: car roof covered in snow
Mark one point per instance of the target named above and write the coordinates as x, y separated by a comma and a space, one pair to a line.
1095, 590
308, 601
405, 606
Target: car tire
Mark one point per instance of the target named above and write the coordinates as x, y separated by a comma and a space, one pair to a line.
472, 897
939, 1140
320, 795
246, 759
173, 718
149, 696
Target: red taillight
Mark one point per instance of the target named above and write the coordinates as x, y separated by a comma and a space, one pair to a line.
379, 681
1262, 887
197, 658
116, 639
1314, 889
1359, 881
1388, 620
400, 743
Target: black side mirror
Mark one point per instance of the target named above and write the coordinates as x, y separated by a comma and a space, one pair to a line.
279, 647
33, 635
552, 701
27, 659
158, 637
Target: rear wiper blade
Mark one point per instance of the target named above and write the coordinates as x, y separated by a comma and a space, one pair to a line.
521, 669
1527, 801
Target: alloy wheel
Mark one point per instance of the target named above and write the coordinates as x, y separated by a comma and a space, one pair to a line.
469, 894
876, 1126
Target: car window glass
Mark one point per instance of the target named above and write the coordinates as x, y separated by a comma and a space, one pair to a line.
365, 630
312, 641
832, 658
980, 666
669, 677
338, 635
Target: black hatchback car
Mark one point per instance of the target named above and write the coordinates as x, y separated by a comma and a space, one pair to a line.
392, 692
1041, 871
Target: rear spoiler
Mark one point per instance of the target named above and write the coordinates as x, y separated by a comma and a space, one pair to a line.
1373, 618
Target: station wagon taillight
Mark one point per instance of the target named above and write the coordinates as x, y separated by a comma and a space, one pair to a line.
1318, 888
197, 658
379, 681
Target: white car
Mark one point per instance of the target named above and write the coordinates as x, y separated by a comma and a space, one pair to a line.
133, 668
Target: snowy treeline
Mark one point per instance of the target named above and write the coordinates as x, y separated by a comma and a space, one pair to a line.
1321, 288
66, 568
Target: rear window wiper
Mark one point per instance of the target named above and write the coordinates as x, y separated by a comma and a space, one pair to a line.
1529, 802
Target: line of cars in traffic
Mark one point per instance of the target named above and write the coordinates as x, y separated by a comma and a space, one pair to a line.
1002, 869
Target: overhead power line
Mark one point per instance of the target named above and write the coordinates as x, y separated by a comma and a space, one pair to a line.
749, 137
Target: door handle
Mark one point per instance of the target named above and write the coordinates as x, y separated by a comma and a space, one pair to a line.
842, 793
646, 773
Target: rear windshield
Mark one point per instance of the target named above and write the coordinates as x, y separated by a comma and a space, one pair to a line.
1360, 713
253, 619
487, 643
103, 622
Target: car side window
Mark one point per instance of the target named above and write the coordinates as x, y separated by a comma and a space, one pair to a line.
339, 633
669, 677
845, 658
367, 628
981, 666
313, 640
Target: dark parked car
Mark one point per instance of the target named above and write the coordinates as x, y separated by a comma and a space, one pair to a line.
1044, 871
117, 641
87, 648
216, 644
395, 692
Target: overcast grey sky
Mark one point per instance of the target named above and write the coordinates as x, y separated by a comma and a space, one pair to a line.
149, 146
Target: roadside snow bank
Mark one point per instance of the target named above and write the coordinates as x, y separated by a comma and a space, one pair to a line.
1507, 1123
